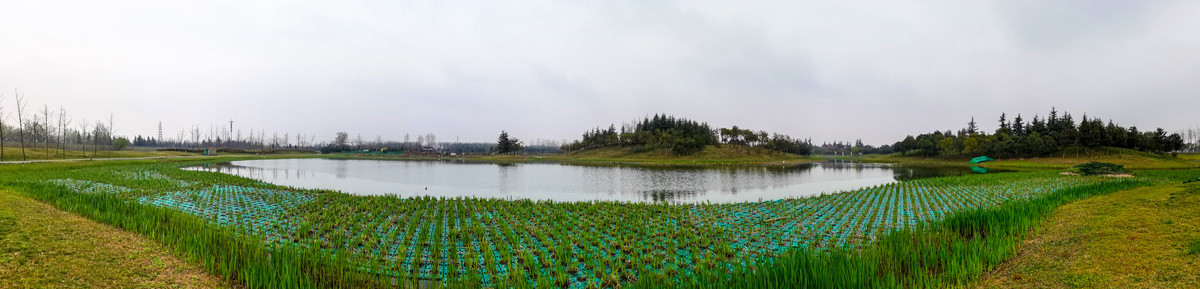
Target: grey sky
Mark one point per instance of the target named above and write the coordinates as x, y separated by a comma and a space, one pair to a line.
834, 70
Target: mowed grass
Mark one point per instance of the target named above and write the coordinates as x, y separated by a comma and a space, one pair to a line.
711, 155
12, 153
1129, 158
1190, 157
41, 246
1143, 238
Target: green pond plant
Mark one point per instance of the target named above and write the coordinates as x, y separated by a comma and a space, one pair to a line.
920, 233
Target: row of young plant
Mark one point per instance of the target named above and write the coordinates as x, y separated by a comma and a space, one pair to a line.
221, 250
505, 244
855, 217
950, 252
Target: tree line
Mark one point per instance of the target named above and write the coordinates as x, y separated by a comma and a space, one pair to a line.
846, 148
1038, 137
428, 143
1191, 139
254, 140
53, 132
684, 137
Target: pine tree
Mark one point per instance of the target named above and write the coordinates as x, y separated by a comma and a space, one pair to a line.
1018, 126
506, 144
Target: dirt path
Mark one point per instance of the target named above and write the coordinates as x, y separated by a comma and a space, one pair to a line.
1142, 238
43, 247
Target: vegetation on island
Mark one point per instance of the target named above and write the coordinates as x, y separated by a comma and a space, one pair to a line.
684, 137
1038, 138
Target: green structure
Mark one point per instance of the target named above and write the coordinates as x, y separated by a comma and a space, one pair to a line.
981, 159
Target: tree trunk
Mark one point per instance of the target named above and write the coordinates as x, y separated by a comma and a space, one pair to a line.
22, 124
2, 138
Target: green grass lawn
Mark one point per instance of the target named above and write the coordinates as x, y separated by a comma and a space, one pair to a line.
1191, 157
43, 247
1143, 238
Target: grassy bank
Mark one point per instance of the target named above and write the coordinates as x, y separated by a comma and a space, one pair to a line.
14, 154
1143, 238
1190, 157
1129, 158
229, 252
41, 246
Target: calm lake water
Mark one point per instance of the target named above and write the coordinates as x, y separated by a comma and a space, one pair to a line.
561, 182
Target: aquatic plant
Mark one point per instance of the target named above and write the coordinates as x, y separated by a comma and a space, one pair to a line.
248, 231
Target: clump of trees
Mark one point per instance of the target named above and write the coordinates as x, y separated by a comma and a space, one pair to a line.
679, 135
428, 144
1191, 139
846, 148
507, 145
1038, 137
761, 139
51, 132
684, 137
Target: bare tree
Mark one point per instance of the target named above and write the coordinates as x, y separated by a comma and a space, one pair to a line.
63, 122
46, 128
97, 132
110, 134
83, 136
195, 135
2, 128
21, 122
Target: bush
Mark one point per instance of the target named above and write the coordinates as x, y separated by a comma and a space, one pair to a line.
120, 143
1098, 168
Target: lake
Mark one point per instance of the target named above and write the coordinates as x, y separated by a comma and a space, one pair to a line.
561, 182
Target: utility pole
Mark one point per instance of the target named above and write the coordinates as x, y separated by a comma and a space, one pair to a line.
230, 136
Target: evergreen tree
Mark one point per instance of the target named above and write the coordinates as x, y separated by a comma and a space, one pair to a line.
971, 128
505, 144
1018, 126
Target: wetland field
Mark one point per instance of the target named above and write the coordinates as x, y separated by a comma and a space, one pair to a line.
350, 230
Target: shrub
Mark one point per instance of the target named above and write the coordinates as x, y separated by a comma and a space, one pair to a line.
1098, 168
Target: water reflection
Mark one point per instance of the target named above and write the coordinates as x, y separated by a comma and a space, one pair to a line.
573, 183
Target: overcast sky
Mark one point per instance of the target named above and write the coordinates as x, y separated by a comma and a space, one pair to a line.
835, 70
